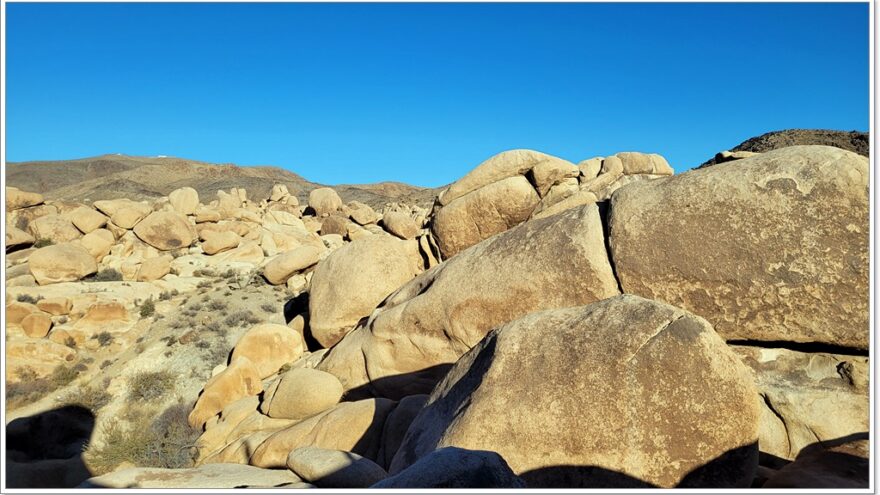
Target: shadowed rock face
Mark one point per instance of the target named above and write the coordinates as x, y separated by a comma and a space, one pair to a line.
439, 315
625, 386
770, 248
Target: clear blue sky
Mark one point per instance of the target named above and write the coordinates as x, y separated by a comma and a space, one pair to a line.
422, 93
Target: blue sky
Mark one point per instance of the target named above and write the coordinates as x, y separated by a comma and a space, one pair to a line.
422, 93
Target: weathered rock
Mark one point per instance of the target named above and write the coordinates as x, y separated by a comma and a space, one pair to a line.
184, 200
760, 248
409, 342
128, 216
17, 199
350, 426
548, 173
154, 268
279, 192
218, 476
590, 169
55, 305
324, 201
362, 213
841, 465
807, 397
269, 346
61, 263
400, 224
166, 230
334, 224
362, 274
17, 311
240, 379
397, 424
98, 243
87, 220
452, 467
110, 316
483, 213
217, 242
579, 198
729, 156
685, 411
206, 214
17, 237
327, 468
301, 393
644, 163
54, 227
36, 325
283, 266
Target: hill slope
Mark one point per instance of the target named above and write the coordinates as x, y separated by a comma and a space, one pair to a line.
854, 141
122, 176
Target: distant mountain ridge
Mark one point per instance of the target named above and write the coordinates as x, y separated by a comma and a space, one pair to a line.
121, 176
855, 141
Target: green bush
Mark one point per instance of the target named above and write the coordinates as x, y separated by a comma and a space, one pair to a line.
149, 385
268, 308
103, 338
27, 298
108, 275
148, 308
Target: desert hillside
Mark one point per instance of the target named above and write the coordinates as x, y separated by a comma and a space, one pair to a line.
855, 141
139, 178
536, 324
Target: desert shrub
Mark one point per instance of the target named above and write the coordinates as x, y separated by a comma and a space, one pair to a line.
64, 374
203, 272
91, 397
148, 308
196, 306
203, 344
43, 243
165, 296
30, 388
106, 363
203, 284
70, 342
103, 338
149, 385
108, 275
177, 324
229, 274
217, 304
240, 318
268, 308
27, 298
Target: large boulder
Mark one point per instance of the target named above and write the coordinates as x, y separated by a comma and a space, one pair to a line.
768, 248
216, 242
625, 392
166, 230
324, 201
216, 476
87, 219
61, 263
483, 213
400, 224
283, 266
36, 325
54, 227
353, 280
17, 199
240, 379
327, 468
452, 467
807, 397
350, 426
184, 200
409, 343
269, 346
154, 268
16, 238
301, 393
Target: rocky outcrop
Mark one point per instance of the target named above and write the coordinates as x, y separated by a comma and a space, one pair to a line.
166, 230
773, 248
268, 346
685, 411
240, 379
408, 343
61, 263
17, 199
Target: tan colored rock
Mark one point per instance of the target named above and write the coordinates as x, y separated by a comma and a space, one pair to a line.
17, 237
350, 426
206, 214
17, 311
184, 200
166, 230
362, 213
807, 397
26, 280
334, 224
408, 344
578, 199
104, 315
61, 263
483, 213
362, 274
301, 393
548, 173
497, 168
676, 422
17, 199
128, 216
400, 224
327, 468
154, 268
216, 242
246, 252
283, 266
54, 227
36, 325
216, 476
55, 305
283, 218
240, 379
589, 169
324, 201
279, 192
753, 247
87, 219
268, 346
644, 163
41, 355
98, 243
612, 166
21, 219
729, 156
